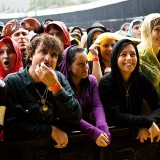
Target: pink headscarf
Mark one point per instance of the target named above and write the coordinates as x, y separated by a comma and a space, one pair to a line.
18, 64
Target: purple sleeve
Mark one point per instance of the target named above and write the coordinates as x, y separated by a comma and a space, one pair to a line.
92, 131
97, 108
97, 112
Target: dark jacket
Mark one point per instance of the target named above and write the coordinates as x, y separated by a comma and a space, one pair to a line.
123, 104
24, 119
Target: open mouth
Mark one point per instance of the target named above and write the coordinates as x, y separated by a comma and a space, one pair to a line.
6, 63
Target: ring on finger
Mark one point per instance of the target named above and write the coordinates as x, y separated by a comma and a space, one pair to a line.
63, 145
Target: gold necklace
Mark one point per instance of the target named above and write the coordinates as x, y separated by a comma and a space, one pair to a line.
43, 99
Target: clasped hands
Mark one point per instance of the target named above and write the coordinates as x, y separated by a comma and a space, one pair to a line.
152, 132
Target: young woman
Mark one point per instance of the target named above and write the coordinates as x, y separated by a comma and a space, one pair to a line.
10, 57
101, 51
149, 49
75, 68
123, 90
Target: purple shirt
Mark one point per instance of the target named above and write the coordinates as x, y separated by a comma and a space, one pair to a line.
94, 121
92, 109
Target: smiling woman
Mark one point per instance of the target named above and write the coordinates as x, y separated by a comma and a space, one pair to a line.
10, 57
122, 92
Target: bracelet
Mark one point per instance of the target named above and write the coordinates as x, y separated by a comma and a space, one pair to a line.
95, 59
55, 87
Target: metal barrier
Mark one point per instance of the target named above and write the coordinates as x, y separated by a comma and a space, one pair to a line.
123, 146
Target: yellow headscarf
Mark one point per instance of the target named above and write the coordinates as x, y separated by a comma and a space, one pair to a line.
149, 63
114, 36
101, 37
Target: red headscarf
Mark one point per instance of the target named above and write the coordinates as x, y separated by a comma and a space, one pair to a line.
18, 64
66, 37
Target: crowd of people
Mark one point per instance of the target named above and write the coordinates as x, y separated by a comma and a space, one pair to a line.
56, 79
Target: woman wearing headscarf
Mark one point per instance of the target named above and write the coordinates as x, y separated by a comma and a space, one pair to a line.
75, 68
149, 49
101, 51
10, 57
122, 92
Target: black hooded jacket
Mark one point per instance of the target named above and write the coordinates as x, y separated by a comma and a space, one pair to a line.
123, 104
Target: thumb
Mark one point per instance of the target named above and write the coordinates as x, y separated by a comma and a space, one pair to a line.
151, 136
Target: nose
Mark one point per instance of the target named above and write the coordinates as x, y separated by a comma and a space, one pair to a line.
21, 36
47, 57
5, 54
110, 48
86, 66
128, 56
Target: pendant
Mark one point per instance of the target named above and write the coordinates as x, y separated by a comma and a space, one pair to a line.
43, 101
44, 107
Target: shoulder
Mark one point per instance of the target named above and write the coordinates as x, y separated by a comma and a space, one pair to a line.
61, 78
92, 78
18, 78
60, 75
106, 78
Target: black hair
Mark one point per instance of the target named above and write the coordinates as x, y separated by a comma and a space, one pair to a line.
72, 53
118, 47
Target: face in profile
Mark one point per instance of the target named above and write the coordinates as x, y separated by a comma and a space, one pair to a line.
79, 67
127, 60
7, 57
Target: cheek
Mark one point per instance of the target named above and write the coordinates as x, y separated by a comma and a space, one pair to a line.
13, 57
75, 70
1, 57
27, 39
153, 35
16, 38
102, 50
135, 60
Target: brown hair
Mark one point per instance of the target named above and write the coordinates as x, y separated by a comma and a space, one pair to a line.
48, 42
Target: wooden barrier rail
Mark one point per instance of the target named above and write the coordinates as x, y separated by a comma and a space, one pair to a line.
124, 146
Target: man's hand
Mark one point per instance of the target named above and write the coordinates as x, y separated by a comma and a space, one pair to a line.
60, 137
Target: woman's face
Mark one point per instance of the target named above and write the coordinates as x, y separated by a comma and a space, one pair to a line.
7, 57
79, 68
155, 35
106, 47
127, 60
